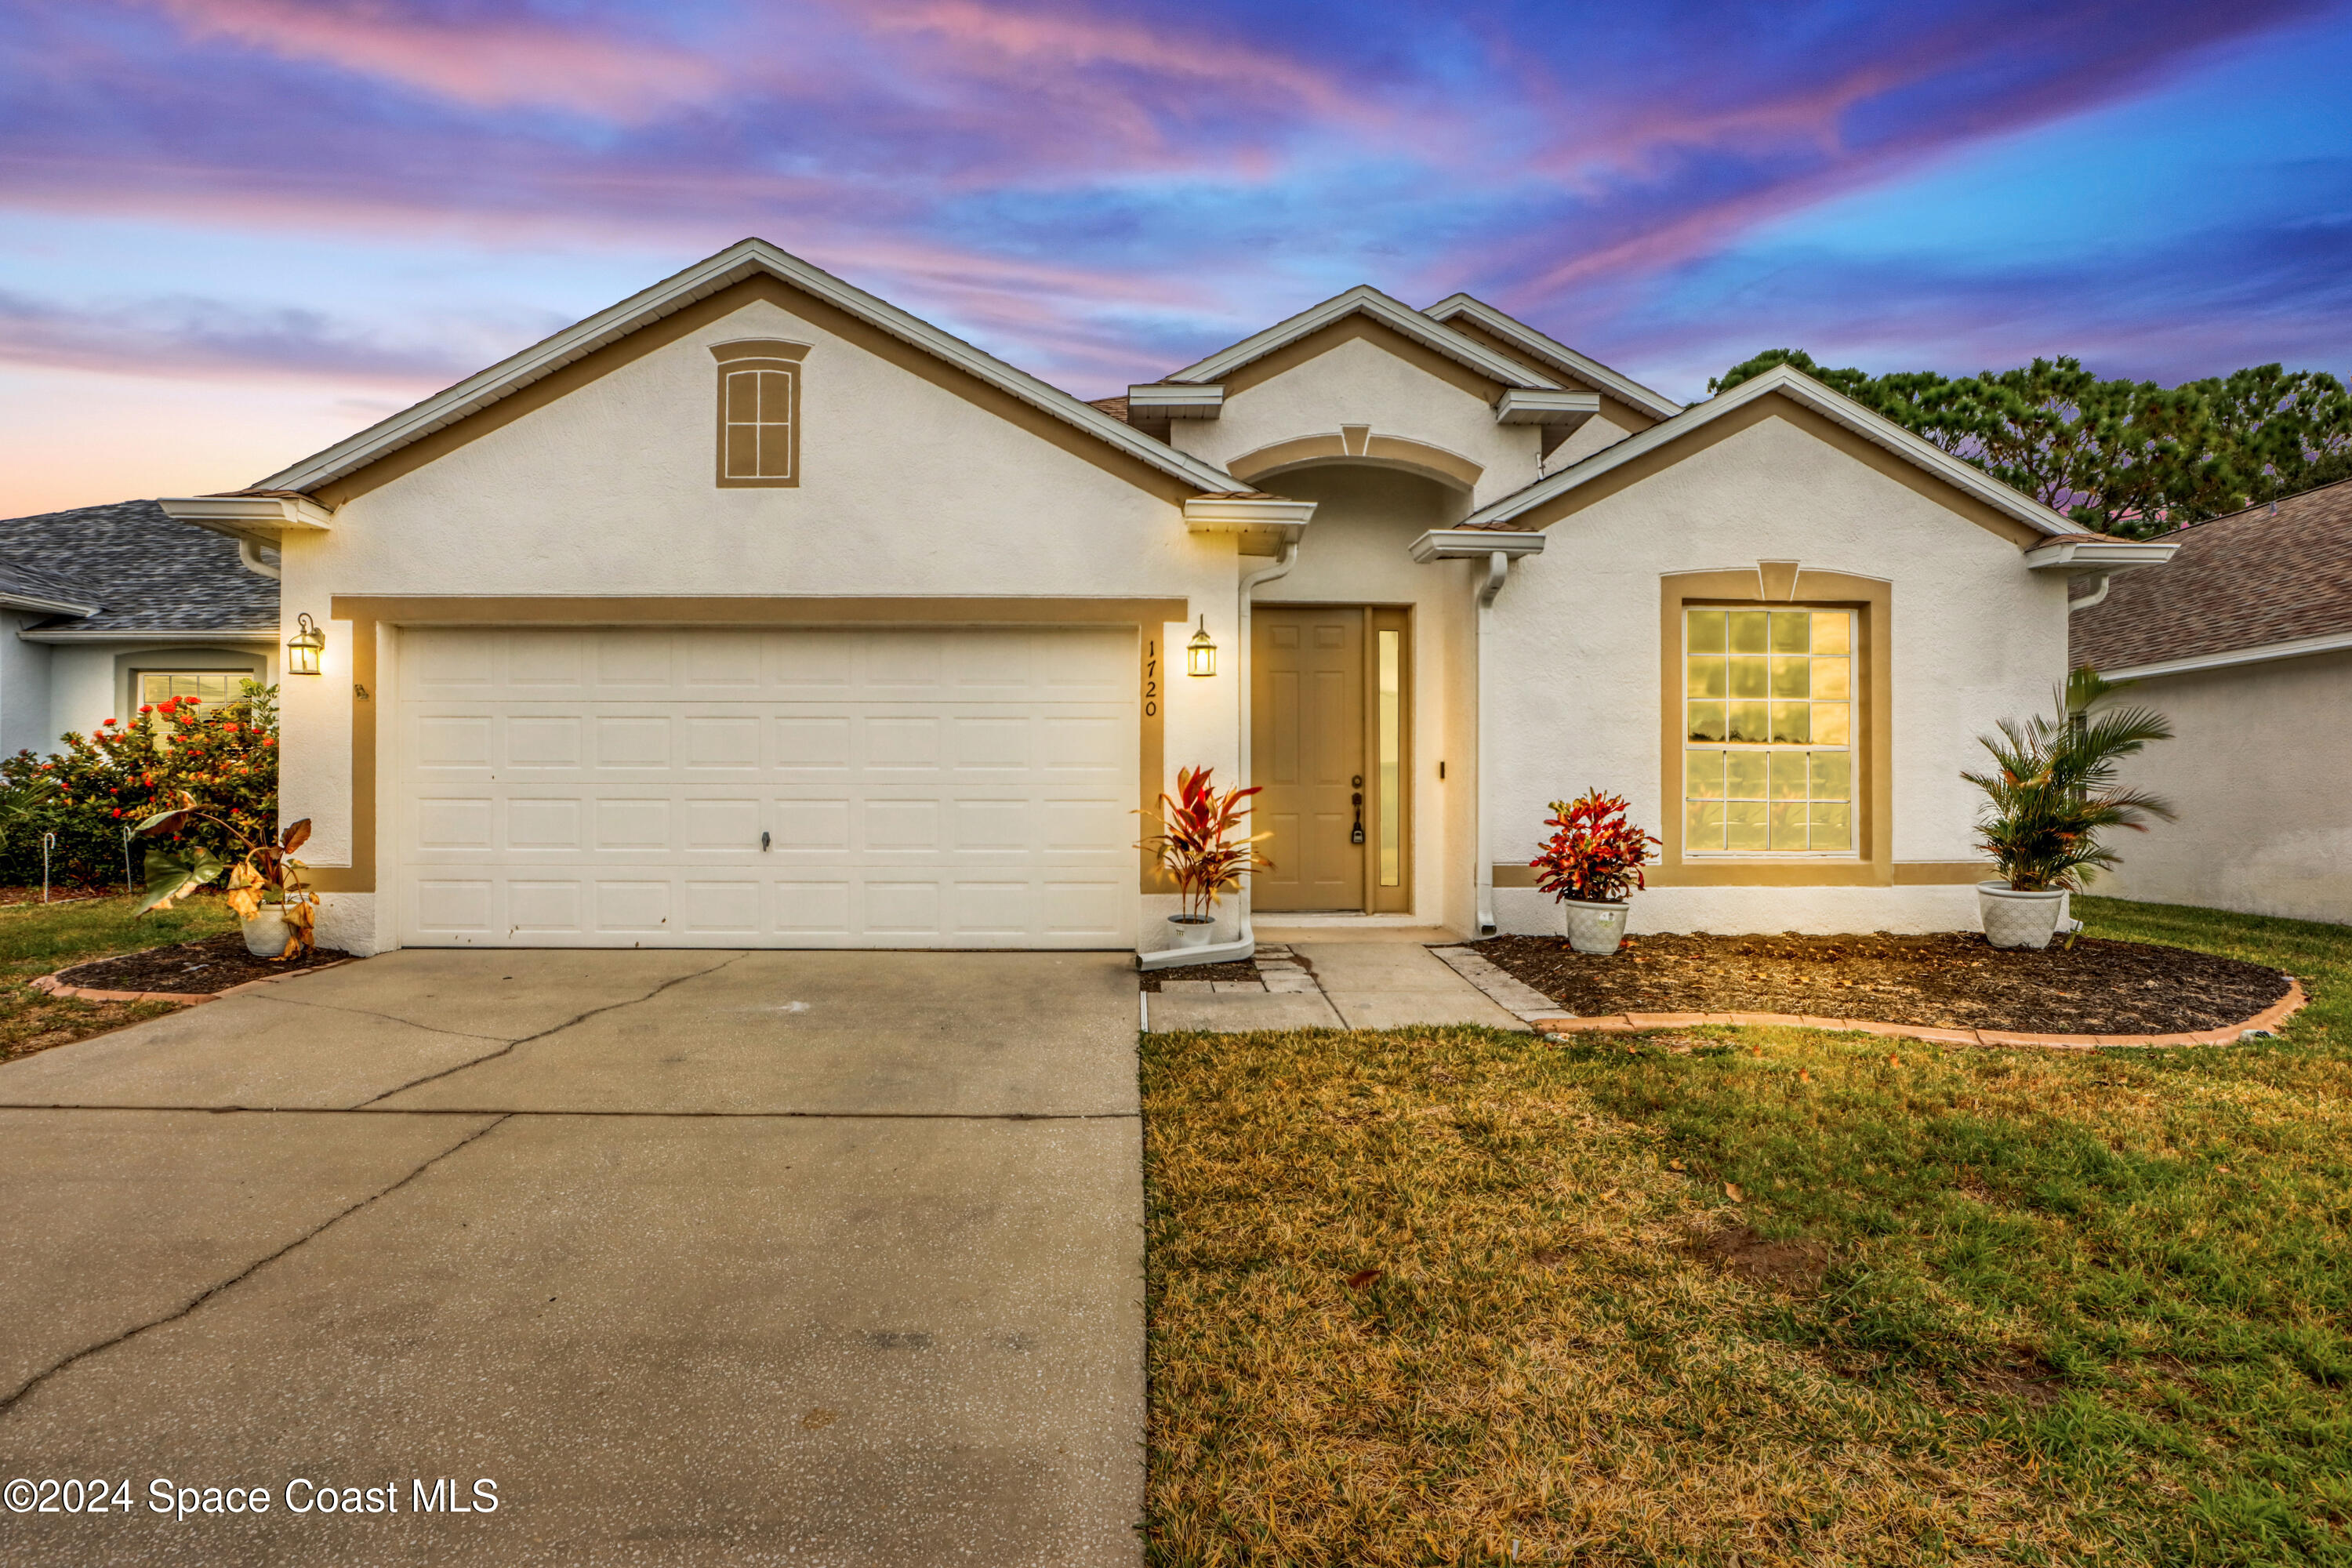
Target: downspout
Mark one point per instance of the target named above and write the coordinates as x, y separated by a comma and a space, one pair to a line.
248, 555
2107, 581
1499, 567
1249, 586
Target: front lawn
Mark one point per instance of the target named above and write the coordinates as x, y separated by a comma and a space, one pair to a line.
40, 939
1758, 1295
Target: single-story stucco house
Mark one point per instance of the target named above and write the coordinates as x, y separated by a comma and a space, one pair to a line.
106, 609
756, 611
2244, 641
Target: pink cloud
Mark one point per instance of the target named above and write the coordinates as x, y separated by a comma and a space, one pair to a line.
492, 65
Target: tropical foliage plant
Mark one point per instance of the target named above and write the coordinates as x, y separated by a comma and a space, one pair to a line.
264, 872
2054, 788
1196, 844
1594, 855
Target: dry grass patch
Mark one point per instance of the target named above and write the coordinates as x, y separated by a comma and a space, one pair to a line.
1434, 1295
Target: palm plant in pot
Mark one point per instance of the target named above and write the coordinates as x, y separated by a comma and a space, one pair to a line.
1197, 847
2052, 792
1592, 864
265, 882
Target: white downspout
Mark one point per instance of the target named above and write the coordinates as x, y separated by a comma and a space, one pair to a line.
1249, 586
1499, 567
248, 555
2107, 581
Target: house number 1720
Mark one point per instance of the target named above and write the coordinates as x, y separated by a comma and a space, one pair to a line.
1151, 677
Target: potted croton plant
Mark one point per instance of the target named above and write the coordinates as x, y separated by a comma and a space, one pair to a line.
1197, 847
2053, 794
1592, 864
265, 882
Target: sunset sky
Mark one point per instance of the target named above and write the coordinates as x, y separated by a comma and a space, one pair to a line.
233, 231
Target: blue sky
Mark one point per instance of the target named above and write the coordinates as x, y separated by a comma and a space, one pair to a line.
243, 228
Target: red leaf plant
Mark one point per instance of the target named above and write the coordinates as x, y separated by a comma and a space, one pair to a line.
1595, 856
1195, 844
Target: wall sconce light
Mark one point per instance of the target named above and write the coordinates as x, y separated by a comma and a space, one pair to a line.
1201, 654
302, 649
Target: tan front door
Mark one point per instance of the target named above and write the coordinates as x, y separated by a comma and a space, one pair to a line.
1307, 750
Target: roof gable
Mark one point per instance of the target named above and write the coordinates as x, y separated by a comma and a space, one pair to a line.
739, 263
1372, 305
2022, 511
1517, 338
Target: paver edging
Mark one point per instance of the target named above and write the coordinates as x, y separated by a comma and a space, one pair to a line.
57, 987
2264, 1022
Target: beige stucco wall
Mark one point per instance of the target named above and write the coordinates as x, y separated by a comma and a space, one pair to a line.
1360, 382
2256, 769
1976, 636
908, 488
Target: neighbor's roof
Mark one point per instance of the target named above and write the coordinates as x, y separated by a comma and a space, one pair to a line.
1365, 301
2253, 580
138, 571
1802, 389
1553, 354
744, 260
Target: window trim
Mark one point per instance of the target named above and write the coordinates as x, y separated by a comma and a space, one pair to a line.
760, 353
1785, 583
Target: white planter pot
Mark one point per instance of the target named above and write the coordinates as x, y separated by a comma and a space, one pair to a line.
1193, 930
2011, 918
1594, 927
266, 934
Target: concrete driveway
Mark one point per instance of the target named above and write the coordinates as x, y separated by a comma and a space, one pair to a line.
794, 1256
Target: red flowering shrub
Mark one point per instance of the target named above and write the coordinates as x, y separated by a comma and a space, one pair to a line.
1595, 856
112, 778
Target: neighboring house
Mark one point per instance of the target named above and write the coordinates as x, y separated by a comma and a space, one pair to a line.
2245, 643
755, 611
108, 607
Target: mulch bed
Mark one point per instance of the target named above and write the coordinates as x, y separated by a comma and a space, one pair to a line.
190, 968
1951, 980
1239, 969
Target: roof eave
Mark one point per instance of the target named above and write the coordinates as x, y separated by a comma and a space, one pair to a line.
706, 278
1808, 393
1565, 360
1394, 314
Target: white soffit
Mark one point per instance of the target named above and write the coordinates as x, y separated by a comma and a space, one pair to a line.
1557, 354
746, 259
1365, 300
2099, 553
1248, 514
266, 518
1160, 400
1474, 544
1802, 389
1521, 405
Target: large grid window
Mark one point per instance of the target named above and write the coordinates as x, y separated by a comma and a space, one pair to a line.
1767, 765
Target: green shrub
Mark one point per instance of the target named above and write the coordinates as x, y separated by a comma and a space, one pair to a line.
100, 783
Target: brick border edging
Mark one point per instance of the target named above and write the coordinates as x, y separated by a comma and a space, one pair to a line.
2266, 1021
56, 987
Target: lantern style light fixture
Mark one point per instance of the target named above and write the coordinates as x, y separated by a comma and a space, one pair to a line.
1201, 653
302, 649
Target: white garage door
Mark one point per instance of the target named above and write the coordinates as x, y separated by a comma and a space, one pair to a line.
611, 788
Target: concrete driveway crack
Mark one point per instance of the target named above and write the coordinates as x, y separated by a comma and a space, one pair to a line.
556, 1030
387, 1018
11, 1400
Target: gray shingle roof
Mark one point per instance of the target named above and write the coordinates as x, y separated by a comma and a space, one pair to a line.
30, 588
147, 574
2243, 581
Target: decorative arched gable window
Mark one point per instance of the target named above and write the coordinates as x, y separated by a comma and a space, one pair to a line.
759, 412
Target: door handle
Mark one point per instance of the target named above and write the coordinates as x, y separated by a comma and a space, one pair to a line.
763, 843
1356, 835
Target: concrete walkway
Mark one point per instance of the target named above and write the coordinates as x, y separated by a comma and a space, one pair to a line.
1373, 978
700, 1257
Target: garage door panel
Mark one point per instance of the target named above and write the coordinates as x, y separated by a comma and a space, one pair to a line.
951, 788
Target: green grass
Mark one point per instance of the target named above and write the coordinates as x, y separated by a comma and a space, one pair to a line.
40, 939
2078, 1307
